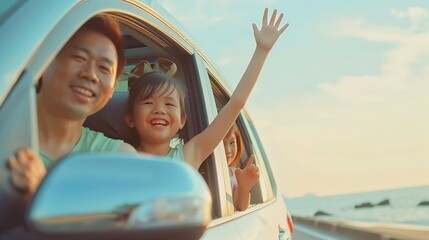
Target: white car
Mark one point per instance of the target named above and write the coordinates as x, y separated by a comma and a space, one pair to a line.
32, 33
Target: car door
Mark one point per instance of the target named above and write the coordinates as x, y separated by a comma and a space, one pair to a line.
266, 217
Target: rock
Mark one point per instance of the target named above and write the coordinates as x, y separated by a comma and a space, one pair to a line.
364, 205
321, 213
384, 202
424, 203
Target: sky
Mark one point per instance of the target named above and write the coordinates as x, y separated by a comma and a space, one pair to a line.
342, 104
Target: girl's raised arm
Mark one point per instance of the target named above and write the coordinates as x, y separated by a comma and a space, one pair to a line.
202, 145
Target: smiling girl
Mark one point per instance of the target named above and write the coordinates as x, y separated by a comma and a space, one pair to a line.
156, 104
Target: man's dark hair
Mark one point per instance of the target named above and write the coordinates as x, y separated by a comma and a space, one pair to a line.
109, 27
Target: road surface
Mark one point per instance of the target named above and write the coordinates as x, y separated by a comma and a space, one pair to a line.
305, 232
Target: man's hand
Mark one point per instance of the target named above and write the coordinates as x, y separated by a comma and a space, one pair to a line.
27, 170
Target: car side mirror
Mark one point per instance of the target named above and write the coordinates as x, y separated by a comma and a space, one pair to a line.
120, 196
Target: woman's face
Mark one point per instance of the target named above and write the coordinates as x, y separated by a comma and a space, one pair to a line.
230, 144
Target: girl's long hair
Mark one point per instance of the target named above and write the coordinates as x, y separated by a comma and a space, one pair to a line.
234, 130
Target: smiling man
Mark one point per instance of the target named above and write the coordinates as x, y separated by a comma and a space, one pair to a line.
78, 82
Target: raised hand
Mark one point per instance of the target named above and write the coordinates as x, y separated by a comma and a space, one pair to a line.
270, 32
247, 177
27, 170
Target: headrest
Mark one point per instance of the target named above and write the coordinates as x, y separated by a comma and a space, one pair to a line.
110, 120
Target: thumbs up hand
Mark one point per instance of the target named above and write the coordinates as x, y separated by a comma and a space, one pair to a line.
248, 176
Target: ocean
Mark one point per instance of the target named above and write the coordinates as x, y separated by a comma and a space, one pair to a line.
402, 208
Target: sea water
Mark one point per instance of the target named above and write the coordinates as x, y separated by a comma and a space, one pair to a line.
403, 207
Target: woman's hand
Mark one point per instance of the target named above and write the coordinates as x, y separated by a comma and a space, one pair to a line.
27, 170
270, 32
247, 177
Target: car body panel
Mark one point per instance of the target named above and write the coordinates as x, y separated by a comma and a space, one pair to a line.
18, 33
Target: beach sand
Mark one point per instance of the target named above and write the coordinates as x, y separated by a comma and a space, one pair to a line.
369, 230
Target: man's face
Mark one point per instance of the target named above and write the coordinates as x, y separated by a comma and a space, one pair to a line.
81, 78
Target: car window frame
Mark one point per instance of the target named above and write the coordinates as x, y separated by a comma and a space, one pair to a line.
222, 94
252, 145
266, 180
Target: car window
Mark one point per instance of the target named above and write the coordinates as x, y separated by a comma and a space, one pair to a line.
263, 190
144, 42
266, 180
